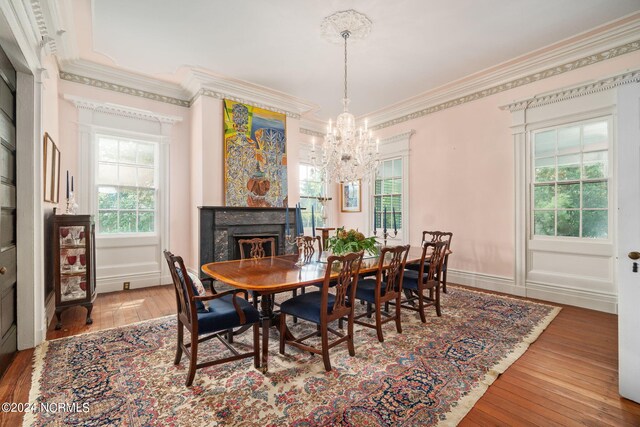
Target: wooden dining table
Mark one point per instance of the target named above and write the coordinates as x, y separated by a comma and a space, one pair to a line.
271, 275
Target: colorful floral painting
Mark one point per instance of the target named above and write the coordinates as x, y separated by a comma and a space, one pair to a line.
255, 157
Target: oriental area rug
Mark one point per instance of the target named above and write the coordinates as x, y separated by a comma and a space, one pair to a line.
431, 374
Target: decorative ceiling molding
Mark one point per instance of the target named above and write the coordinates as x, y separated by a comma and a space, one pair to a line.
121, 110
311, 132
219, 95
46, 39
399, 137
200, 83
537, 76
122, 89
574, 92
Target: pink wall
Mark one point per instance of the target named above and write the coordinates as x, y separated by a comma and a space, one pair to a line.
462, 172
179, 158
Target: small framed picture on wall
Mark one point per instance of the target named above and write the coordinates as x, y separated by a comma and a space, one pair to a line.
350, 196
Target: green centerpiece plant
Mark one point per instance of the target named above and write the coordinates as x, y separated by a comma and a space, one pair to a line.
351, 241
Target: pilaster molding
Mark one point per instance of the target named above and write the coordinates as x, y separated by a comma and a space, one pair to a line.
574, 92
120, 110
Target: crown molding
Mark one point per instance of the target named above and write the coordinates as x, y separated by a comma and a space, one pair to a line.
199, 83
121, 110
574, 92
404, 136
105, 77
607, 42
311, 132
23, 25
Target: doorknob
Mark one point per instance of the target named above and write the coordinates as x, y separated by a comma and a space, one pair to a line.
633, 255
3, 270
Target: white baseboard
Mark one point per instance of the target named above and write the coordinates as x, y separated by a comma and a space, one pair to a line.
543, 291
485, 281
144, 280
573, 296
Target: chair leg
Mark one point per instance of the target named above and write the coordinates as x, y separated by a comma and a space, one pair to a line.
325, 348
438, 312
283, 329
256, 345
386, 307
379, 323
294, 293
369, 311
398, 323
193, 361
352, 350
230, 336
444, 281
180, 340
423, 319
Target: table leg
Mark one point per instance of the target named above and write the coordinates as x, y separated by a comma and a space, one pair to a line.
266, 313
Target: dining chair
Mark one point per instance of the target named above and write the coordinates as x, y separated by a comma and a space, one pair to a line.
437, 236
386, 287
426, 278
307, 245
224, 311
322, 307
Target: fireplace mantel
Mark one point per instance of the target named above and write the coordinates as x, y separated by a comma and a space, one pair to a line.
219, 225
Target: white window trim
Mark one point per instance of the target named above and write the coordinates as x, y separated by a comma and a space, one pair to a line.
392, 148
98, 118
578, 119
158, 144
307, 230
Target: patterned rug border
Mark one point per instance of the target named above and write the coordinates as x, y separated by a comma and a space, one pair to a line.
452, 418
467, 402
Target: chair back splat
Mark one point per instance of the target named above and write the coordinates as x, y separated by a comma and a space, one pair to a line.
344, 286
256, 247
440, 236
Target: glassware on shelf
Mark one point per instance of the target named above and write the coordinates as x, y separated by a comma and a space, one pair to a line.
83, 284
71, 261
64, 233
83, 261
81, 238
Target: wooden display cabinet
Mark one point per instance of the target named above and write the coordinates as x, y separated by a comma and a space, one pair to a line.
74, 257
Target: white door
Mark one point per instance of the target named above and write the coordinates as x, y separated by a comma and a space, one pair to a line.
629, 239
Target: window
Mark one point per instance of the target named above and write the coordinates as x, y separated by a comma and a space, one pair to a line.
311, 187
126, 185
388, 193
570, 190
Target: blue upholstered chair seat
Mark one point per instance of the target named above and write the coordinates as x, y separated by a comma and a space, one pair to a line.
410, 279
222, 315
307, 306
366, 290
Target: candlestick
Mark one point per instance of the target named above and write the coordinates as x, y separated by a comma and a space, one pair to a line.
375, 219
384, 220
395, 228
71, 182
67, 184
313, 222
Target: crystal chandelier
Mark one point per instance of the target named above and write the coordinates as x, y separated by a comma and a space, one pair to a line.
347, 153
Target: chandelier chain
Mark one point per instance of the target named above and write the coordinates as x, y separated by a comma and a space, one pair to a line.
348, 152
345, 35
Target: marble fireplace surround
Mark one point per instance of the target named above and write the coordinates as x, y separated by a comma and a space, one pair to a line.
222, 226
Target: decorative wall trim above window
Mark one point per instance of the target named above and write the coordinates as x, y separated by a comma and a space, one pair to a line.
574, 92
121, 110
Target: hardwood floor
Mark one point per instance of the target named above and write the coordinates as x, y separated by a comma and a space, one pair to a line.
567, 377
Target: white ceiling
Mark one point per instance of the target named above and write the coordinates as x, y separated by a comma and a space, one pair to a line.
414, 45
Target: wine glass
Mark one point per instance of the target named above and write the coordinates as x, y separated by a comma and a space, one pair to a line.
64, 233
63, 260
83, 284
83, 260
81, 237
71, 260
